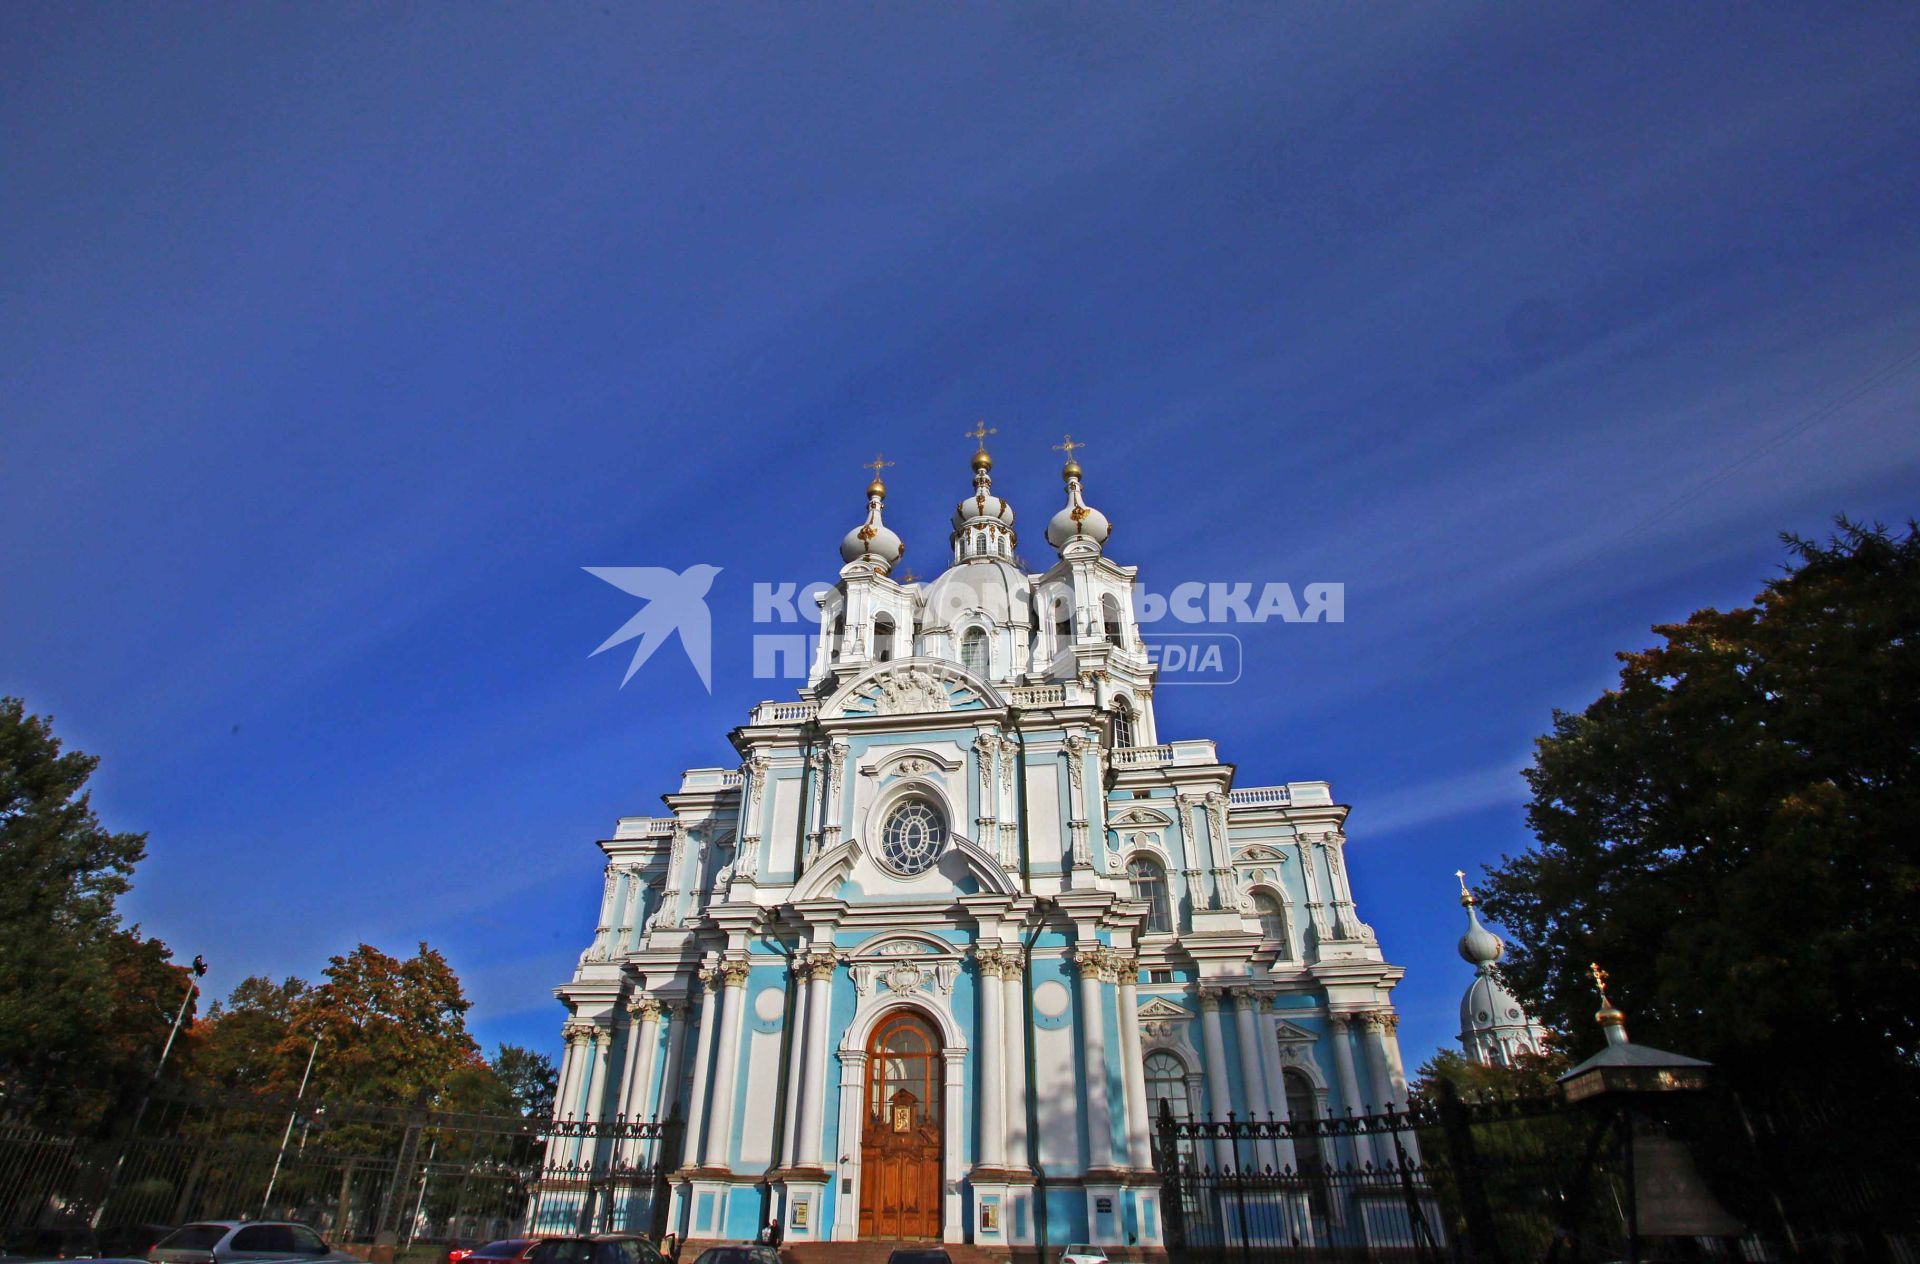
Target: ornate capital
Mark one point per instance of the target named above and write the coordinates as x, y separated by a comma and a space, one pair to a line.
992, 963
709, 978
1209, 1001
576, 1030
822, 963
646, 1007
733, 973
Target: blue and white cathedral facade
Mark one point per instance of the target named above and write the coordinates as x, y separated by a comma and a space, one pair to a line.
927, 960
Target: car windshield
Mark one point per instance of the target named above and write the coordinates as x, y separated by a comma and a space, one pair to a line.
502, 1250
199, 1237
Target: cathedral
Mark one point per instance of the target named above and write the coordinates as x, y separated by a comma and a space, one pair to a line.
929, 956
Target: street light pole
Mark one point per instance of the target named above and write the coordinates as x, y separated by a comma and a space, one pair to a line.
198, 971
288, 1134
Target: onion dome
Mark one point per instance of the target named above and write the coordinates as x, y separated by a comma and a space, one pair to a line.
1479, 947
1079, 523
873, 543
982, 523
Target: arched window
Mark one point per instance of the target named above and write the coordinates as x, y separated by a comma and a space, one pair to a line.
882, 638
912, 838
1062, 620
973, 652
1304, 1104
1166, 1082
1149, 883
1122, 723
1273, 919
1110, 615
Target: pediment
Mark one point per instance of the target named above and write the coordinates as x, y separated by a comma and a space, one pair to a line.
1259, 853
1162, 1008
1288, 1033
913, 762
891, 945
1140, 816
912, 686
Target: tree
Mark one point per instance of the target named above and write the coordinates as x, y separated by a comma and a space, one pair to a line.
66, 968
390, 1031
529, 1078
1731, 830
242, 1043
1529, 1075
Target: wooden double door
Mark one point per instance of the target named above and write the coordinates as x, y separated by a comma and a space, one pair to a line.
900, 1143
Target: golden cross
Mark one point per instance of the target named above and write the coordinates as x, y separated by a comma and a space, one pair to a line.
1600, 978
1462, 875
909, 577
980, 431
878, 463
1067, 446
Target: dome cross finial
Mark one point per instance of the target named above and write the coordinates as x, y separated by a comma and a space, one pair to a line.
1466, 896
980, 432
878, 463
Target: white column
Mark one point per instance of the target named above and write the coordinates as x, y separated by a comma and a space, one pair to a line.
790, 1141
1339, 1028
733, 991
563, 1098
953, 1220
602, 1072
1253, 1073
1014, 1019
1092, 963
1215, 1054
1377, 1072
661, 1102
643, 1039
703, 1065
813, 1079
1397, 1076
993, 1075
1133, 1069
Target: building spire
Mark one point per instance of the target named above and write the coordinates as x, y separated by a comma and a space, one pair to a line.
1612, 1022
983, 522
873, 544
1079, 527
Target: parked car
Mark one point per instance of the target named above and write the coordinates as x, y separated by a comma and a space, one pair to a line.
132, 1241
1081, 1253
61, 1242
920, 1255
596, 1248
243, 1242
757, 1253
501, 1251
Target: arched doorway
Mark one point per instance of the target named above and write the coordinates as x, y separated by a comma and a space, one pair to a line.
900, 1141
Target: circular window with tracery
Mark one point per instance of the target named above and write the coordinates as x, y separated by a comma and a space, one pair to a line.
912, 838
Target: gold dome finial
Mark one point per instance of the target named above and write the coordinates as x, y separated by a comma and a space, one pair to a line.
876, 487
1071, 469
1466, 896
982, 460
1610, 1018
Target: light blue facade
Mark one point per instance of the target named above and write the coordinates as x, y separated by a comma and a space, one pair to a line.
966, 837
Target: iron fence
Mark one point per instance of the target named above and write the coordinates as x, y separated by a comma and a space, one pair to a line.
354, 1171
1701, 1175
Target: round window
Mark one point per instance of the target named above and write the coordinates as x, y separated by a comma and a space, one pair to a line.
912, 838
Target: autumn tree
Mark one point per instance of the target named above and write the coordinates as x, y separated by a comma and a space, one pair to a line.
1731, 830
241, 1043
529, 1078
390, 1031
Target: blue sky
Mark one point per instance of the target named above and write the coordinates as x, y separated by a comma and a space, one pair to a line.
336, 340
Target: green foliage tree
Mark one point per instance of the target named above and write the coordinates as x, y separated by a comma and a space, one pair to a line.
1529, 1075
530, 1079
81, 999
1731, 829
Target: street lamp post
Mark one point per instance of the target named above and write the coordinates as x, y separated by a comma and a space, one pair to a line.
287, 1136
198, 971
